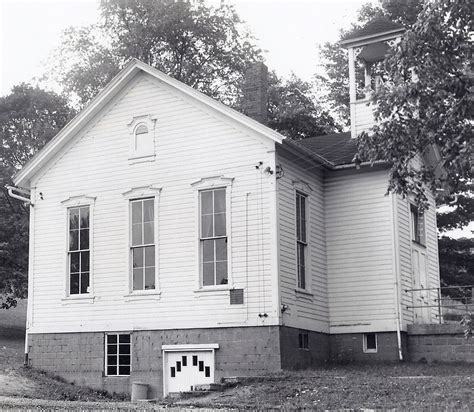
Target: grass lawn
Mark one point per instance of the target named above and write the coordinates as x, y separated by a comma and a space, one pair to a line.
387, 386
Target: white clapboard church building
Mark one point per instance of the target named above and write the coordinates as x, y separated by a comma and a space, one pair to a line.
175, 241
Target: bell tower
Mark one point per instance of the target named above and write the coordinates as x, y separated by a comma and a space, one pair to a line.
367, 48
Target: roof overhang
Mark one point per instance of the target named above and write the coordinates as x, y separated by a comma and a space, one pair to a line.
116, 85
372, 38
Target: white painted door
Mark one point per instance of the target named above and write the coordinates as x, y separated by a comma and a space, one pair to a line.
421, 296
184, 370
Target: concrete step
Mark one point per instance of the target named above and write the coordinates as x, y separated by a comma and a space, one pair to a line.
209, 387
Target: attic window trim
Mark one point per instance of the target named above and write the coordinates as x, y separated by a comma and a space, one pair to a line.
147, 152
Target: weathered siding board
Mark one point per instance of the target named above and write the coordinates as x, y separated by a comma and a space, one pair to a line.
361, 277
191, 143
305, 311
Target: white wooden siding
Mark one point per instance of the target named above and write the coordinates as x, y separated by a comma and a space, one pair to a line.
304, 311
361, 276
192, 142
363, 115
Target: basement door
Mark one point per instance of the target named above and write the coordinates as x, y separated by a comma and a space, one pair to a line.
184, 369
421, 296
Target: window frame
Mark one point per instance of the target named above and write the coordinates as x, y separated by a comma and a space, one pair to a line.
305, 244
208, 183
303, 344
118, 354
417, 225
134, 194
364, 343
136, 156
70, 203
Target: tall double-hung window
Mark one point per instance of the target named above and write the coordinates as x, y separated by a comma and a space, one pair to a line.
142, 243
301, 240
79, 250
213, 236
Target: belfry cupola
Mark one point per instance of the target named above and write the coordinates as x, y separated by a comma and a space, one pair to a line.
367, 48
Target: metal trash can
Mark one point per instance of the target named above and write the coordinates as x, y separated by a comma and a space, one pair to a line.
139, 391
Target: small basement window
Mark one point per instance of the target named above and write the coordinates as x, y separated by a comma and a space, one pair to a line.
303, 340
370, 343
117, 354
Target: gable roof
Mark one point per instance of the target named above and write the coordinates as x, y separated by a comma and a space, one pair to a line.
117, 84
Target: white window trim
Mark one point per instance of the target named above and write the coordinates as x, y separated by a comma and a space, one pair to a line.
214, 182
105, 354
364, 339
300, 186
137, 193
150, 122
78, 201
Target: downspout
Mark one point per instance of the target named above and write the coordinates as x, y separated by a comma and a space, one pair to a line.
396, 258
29, 309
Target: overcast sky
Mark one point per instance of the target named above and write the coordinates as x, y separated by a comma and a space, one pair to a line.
289, 30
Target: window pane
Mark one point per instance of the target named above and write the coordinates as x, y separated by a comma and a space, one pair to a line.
208, 274
208, 251
124, 360
150, 256
124, 349
124, 338
124, 370
137, 234
150, 278
298, 217
148, 212
84, 213
84, 239
74, 262
219, 220
74, 286
85, 282
112, 349
206, 202
137, 257
111, 338
221, 275
371, 342
111, 360
206, 228
148, 233
219, 201
112, 370
84, 261
137, 212
221, 249
74, 218
137, 279
74, 240
142, 129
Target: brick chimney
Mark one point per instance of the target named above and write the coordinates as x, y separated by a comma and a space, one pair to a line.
255, 99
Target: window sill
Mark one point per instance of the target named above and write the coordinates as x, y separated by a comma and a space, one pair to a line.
418, 244
68, 300
141, 159
219, 288
303, 292
143, 295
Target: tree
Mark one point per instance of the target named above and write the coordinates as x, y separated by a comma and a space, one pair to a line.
202, 46
334, 81
426, 101
29, 118
294, 109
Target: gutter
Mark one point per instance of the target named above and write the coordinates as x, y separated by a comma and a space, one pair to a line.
20, 195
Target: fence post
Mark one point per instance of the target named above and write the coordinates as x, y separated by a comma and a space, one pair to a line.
439, 306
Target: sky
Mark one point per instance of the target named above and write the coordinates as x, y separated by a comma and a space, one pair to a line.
289, 31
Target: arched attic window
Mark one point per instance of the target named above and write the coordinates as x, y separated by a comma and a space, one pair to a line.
142, 138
